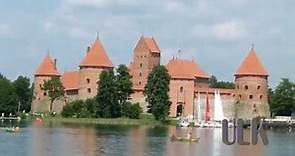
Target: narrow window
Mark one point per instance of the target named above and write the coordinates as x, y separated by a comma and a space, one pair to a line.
140, 64
88, 80
240, 96
258, 87
260, 97
44, 94
181, 89
139, 74
139, 83
89, 90
251, 97
246, 87
238, 87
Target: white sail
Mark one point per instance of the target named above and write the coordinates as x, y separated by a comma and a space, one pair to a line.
199, 108
218, 111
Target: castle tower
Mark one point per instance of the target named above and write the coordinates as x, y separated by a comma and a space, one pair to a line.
45, 71
95, 61
145, 57
186, 77
251, 80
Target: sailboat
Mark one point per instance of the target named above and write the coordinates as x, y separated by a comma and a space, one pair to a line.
218, 111
199, 122
218, 116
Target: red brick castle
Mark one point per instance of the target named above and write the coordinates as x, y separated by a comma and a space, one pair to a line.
189, 83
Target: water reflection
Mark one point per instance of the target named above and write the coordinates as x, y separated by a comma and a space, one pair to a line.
91, 140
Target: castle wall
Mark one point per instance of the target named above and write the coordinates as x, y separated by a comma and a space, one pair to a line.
181, 93
251, 97
138, 97
88, 78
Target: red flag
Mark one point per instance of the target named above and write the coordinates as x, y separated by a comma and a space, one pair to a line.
207, 109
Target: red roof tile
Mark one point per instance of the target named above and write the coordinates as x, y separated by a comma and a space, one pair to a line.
179, 68
251, 66
96, 56
151, 44
70, 80
47, 68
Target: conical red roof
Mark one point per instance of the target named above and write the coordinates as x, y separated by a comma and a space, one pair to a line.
96, 56
251, 66
179, 68
47, 68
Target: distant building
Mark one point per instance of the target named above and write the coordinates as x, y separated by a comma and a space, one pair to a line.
189, 83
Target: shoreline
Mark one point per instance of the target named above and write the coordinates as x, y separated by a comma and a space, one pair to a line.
110, 121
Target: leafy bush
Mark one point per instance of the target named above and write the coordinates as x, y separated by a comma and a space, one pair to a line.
131, 111
79, 109
67, 111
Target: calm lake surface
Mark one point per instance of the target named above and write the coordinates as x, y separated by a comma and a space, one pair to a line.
99, 140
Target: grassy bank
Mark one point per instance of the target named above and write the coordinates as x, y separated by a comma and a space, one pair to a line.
144, 120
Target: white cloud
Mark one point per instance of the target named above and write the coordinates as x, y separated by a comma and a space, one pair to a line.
228, 30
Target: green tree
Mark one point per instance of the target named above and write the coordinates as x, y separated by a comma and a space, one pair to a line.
8, 98
282, 100
54, 88
156, 91
214, 83
24, 93
107, 97
124, 84
88, 110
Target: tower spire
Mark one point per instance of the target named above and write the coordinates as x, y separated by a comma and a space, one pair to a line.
97, 35
48, 52
252, 46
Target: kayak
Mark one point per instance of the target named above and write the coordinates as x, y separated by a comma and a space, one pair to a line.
181, 139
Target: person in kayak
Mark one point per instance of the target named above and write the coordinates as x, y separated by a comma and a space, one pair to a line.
189, 135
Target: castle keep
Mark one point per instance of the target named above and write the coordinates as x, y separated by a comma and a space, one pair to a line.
189, 83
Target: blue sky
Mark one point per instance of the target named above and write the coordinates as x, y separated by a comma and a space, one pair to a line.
216, 34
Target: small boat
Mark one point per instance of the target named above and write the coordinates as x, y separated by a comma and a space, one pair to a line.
183, 122
12, 130
182, 139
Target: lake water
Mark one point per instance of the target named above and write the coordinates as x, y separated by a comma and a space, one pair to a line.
99, 140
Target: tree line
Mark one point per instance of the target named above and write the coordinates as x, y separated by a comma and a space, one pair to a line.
15, 96
282, 99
